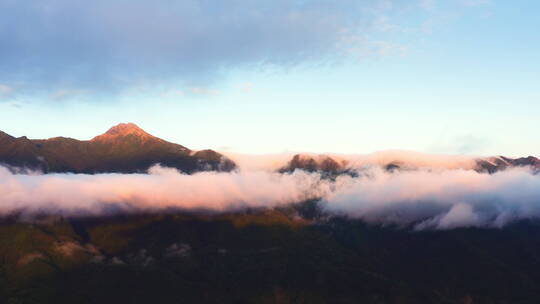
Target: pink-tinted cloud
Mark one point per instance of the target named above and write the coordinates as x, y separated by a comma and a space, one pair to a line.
439, 199
74, 194
409, 159
422, 199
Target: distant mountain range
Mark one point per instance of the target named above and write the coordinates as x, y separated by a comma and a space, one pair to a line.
335, 166
499, 163
124, 148
324, 164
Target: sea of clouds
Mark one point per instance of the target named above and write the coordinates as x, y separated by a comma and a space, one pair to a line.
418, 199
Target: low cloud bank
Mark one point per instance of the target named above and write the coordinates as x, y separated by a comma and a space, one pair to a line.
440, 199
162, 188
421, 199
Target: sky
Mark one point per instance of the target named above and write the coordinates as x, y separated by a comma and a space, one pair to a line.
453, 77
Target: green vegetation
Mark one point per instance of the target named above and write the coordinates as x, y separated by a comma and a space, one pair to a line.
286, 255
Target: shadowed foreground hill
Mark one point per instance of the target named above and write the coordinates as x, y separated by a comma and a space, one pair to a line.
287, 255
124, 148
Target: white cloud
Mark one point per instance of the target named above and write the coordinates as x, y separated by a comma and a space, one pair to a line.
423, 199
113, 46
117, 44
441, 200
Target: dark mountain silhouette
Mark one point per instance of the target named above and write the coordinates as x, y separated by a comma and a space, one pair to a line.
314, 163
499, 163
332, 167
326, 165
485, 165
124, 148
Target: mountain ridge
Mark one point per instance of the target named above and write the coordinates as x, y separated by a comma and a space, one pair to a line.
124, 148
127, 148
329, 164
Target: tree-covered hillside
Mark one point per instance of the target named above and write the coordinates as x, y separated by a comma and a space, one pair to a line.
287, 255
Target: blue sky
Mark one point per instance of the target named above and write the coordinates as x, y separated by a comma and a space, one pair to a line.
456, 76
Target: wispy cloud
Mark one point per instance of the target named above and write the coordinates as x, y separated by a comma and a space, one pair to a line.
111, 46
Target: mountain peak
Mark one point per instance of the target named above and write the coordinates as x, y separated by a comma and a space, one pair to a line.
123, 129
